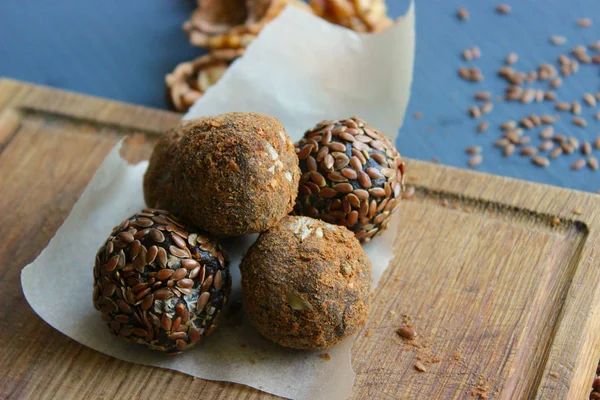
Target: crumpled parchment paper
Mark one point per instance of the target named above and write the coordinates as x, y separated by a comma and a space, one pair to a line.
301, 70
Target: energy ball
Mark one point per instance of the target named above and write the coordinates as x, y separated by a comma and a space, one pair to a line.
158, 284
235, 174
306, 283
352, 175
158, 190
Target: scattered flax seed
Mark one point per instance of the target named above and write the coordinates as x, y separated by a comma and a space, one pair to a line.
559, 138
574, 66
468, 210
508, 125
576, 107
475, 112
325, 356
464, 73
419, 366
462, 14
503, 9
580, 122
597, 96
486, 108
476, 52
547, 119
555, 83
473, 150
524, 140
546, 145
509, 149
528, 96
527, 123
563, 60
547, 132
557, 152
555, 222
406, 332
563, 106
513, 136
540, 161
558, 40
593, 163
475, 160
573, 141
567, 148
537, 121
584, 22
597, 116
550, 96
501, 142
511, 58
577, 165
444, 203
586, 148
418, 115
483, 96
594, 46
467, 55
539, 96
589, 99
528, 151
596, 59
597, 143
577, 211
482, 126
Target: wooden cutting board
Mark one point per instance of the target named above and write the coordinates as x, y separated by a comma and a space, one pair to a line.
503, 298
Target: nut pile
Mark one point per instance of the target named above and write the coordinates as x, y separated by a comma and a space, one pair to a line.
360, 16
227, 27
352, 175
526, 87
158, 284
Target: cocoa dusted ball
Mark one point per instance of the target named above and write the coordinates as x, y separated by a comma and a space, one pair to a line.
306, 283
352, 175
235, 173
158, 190
158, 284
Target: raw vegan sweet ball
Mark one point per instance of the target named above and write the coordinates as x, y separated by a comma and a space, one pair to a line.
236, 173
158, 190
306, 283
158, 284
352, 175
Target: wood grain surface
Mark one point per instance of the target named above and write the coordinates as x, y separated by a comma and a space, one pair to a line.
503, 299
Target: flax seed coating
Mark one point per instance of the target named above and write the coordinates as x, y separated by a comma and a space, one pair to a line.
306, 283
235, 173
158, 190
158, 284
352, 175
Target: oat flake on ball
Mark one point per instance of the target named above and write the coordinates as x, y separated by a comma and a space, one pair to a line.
235, 173
158, 284
306, 283
352, 175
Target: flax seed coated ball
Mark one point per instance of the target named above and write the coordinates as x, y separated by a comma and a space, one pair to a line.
306, 283
235, 173
158, 190
158, 284
352, 175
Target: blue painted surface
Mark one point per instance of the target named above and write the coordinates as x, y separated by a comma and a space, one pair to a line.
122, 50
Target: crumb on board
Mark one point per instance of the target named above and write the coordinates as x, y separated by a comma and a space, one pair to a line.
325, 356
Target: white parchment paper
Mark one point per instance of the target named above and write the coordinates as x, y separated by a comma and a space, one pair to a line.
301, 70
